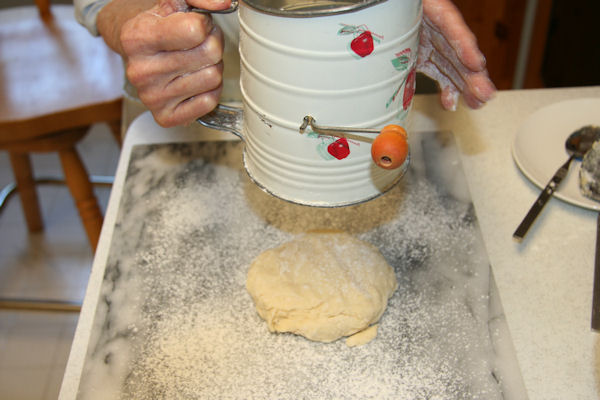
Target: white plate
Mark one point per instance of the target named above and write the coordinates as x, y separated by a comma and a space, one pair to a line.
539, 146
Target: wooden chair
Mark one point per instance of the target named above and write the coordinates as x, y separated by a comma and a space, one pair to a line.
55, 81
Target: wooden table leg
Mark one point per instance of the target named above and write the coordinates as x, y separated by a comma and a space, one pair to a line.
81, 189
21, 165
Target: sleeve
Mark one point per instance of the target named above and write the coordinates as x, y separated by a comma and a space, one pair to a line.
86, 12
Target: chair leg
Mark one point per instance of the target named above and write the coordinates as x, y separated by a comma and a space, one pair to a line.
21, 165
81, 189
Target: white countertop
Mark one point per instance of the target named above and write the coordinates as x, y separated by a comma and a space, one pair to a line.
545, 283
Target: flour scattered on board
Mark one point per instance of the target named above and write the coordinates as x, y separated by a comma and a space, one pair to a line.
198, 335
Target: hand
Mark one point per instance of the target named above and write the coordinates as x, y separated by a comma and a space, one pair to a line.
173, 57
448, 53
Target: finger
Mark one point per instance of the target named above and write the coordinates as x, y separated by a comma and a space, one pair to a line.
449, 92
193, 84
164, 102
189, 109
162, 68
482, 86
195, 107
475, 85
210, 4
209, 52
151, 33
450, 89
157, 97
168, 7
443, 64
449, 98
439, 43
448, 21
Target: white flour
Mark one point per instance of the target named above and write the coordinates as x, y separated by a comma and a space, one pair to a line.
198, 335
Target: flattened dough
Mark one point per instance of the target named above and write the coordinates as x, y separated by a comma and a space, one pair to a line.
322, 286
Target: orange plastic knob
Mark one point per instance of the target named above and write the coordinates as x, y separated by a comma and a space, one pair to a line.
390, 148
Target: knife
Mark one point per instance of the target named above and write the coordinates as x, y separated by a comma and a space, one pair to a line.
596, 292
542, 199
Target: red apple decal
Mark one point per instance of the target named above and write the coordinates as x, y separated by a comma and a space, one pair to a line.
364, 39
339, 149
363, 44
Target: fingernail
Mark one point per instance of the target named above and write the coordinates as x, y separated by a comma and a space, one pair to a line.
482, 60
451, 101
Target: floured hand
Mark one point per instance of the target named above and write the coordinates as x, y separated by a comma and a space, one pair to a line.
173, 57
448, 53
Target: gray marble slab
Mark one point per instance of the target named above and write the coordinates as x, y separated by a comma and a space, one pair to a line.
174, 320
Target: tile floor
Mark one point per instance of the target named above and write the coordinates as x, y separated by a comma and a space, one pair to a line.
55, 264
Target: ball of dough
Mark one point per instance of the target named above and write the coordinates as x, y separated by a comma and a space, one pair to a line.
322, 286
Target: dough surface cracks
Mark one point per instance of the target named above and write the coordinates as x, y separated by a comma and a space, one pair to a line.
322, 286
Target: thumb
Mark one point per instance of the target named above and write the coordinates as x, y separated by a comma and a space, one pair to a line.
213, 5
164, 8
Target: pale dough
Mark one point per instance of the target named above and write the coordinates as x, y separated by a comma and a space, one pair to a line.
322, 286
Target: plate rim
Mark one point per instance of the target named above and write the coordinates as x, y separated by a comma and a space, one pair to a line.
579, 202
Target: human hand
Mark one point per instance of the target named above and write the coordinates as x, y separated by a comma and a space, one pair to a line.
448, 53
174, 59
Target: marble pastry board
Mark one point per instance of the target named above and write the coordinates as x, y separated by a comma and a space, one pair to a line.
174, 319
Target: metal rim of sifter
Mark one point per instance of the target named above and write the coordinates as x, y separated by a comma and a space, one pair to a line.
309, 8
297, 8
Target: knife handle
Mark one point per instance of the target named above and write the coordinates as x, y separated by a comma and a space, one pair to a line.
542, 199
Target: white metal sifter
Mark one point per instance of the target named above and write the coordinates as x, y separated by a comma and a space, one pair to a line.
350, 65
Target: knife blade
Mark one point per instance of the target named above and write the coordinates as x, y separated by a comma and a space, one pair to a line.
542, 199
596, 292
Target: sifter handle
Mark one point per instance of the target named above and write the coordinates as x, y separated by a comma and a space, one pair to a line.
389, 150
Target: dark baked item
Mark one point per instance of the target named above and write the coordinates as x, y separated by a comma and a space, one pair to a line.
589, 174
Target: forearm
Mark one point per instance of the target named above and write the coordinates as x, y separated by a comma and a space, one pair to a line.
112, 17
